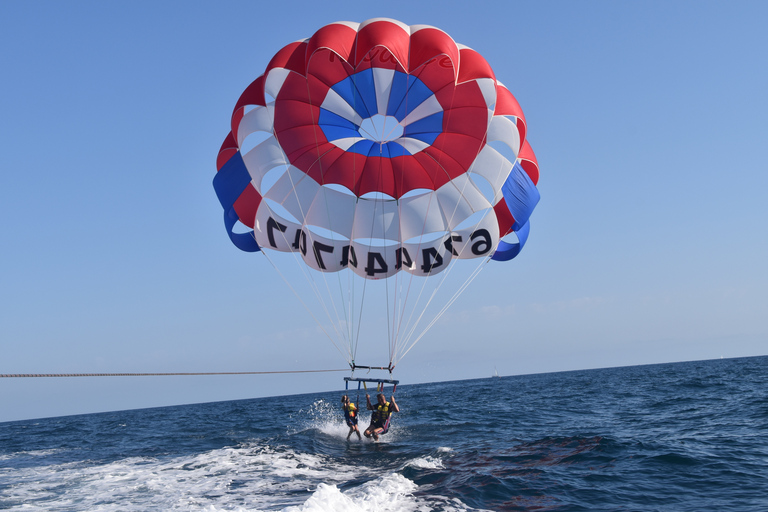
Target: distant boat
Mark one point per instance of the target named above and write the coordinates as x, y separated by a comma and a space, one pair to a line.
495, 372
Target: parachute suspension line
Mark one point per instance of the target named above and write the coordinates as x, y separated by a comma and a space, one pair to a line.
412, 325
334, 318
447, 306
443, 279
365, 280
393, 325
396, 317
406, 338
434, 320
386, 280
319, 324
360, 317
350, 309
397, 339
347, 311
312, 284
390, 340
464, 286
347, 335
407, 291
351, 279
296, 294
354, 331
344, 311
307, 277
445, 275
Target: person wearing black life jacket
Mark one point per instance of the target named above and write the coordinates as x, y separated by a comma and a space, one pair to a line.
350, 416
380, 415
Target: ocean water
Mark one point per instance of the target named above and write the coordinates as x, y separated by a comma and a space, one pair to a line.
669, 437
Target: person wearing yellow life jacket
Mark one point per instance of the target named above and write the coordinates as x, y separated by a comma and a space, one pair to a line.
350, 416
380, 415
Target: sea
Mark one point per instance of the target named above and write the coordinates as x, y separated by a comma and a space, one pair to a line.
689, 436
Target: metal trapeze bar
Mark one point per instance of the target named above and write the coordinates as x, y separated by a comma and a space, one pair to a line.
365, 379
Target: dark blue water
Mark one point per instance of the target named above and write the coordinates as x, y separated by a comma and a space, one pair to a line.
669, 437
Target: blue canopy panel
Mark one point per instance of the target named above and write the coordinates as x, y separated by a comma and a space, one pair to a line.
358, 91
427, 129
362, 147
521, 197
229, 183
336, 127
506, 251
407, 93
387, 150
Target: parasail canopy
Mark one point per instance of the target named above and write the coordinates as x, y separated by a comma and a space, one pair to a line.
377, 151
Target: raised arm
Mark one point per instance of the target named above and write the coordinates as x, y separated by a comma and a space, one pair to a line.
395, 408
368, 402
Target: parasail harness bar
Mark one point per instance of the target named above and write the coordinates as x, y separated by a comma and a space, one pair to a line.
379, 383
354, 367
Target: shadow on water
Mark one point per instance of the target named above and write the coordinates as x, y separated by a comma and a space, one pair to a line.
514, 478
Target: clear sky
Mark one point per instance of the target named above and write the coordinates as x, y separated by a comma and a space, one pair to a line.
649, 244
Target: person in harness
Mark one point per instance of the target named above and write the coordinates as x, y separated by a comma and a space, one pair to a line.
380, 415
350, 416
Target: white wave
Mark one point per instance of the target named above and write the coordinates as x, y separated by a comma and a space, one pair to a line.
334, 428
31, 453
425, 463
392, 492
251, 478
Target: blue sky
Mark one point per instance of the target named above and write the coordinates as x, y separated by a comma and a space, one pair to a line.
649, 243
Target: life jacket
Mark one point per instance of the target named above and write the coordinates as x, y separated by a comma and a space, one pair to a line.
382, 412
350, 411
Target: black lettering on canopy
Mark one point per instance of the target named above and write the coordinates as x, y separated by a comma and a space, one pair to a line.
300, 241
348, 256
432, 259
403, 258
483, 245
375, 258
449, 243
317, 248
272, 224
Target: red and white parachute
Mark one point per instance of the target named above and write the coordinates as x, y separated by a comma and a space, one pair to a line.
377, 154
